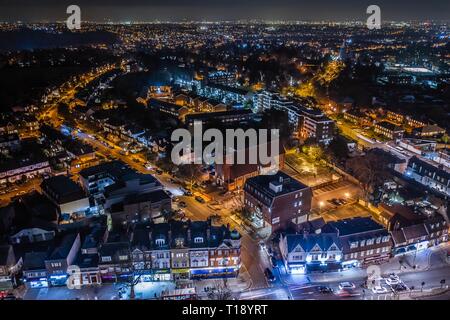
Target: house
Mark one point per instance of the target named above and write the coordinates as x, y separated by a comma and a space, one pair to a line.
169, 108
434, 177
31, 235
307, 252
141, 251
141, 207
160, 239
419, 236
363, 240
224, 253
34, 269
276, 201
7, 263
429, 131
389, 130
111, 182
85, 271
62, 256
179, 250
395, 117
357, 117
22, 167
232, 175
115, 261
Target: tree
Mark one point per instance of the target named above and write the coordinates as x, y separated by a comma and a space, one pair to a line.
221, 292
191, 172
315, 153
339, 148
370, 170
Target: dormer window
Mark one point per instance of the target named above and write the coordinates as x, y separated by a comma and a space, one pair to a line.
198, 240
160, 242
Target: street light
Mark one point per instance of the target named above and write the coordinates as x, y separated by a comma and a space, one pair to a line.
321, 204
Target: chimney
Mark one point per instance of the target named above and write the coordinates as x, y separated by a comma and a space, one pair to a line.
305, 233
208, 233
169, 235
150, 234
189, 234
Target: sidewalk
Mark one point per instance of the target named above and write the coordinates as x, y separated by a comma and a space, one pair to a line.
236, 285
425, 260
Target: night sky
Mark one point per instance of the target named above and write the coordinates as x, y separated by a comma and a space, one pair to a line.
174, 10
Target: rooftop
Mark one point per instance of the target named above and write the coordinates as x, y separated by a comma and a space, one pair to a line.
355, 225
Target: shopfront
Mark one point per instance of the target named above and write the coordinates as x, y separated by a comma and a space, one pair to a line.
58, 280
296, 268
180, 274
350, 264
208, 273
36, 283
156, 275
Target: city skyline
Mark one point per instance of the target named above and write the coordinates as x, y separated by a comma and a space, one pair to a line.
199, 10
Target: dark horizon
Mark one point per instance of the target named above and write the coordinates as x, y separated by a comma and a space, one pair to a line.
177, 10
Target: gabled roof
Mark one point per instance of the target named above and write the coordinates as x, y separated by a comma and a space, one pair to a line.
307, 242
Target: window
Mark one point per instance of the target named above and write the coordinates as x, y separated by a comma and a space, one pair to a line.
123, 258
362, 243
106, 259
198, 240
160, 242
354, 245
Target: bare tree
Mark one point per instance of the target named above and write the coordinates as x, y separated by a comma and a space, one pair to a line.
221, 292
371, 171
191, 172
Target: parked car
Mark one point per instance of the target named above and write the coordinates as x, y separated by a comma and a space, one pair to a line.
347, 285
399, 287
182, 204
269, 275
324, 289
393, 279
379, 290
159, 171
200, 199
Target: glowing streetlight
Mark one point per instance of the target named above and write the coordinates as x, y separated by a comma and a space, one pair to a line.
321, 204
